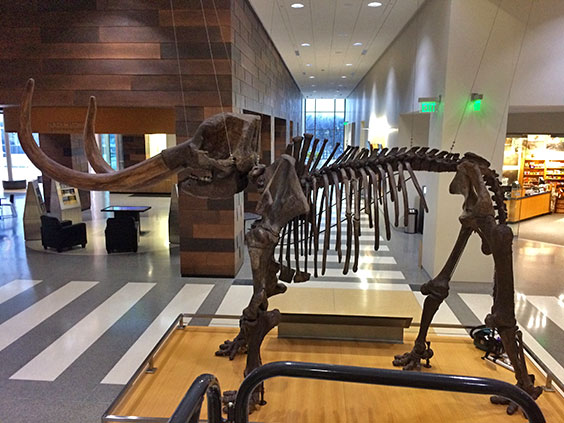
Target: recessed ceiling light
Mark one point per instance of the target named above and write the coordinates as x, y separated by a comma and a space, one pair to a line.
371, 4
308, 64
306, 44
344, 76
348, 64
311, 77
299, 6
313, 85
355, 44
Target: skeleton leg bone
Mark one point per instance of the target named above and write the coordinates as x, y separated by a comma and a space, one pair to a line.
282, 200
436, 291
502, 317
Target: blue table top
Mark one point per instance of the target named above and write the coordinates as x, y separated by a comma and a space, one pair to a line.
126, 208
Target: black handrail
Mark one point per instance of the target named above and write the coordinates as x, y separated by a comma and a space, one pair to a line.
440, 382
188, 411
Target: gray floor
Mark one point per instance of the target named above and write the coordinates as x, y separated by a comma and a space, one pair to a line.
77, 394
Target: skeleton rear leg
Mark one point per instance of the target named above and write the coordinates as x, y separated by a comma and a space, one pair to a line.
436, 291
502, 316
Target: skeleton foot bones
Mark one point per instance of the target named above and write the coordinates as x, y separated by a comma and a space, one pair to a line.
302, 199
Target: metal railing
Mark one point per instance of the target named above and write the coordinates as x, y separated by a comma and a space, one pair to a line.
188, 411
433, 381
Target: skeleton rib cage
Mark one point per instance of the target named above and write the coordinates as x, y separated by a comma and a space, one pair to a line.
371, 183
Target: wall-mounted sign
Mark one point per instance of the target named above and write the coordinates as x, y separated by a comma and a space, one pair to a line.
428, 107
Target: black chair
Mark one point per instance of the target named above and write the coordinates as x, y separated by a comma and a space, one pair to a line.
122, 234
61, 234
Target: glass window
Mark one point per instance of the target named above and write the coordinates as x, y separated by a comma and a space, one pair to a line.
3, 164
21, 166
324, 118
340, 105
108, 146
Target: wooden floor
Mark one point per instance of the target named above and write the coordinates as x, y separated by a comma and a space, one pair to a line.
190, 352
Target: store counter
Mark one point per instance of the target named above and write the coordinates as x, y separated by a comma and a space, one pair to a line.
527, 206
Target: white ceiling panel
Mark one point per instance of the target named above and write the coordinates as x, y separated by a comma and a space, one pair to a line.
331, 27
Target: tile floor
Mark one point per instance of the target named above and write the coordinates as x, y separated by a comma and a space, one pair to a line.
74, 326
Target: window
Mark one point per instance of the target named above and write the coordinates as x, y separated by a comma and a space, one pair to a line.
14, 163
324, 118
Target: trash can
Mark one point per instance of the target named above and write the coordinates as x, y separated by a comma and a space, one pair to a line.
411, 227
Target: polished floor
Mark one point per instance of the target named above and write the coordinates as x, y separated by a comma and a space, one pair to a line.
74, 326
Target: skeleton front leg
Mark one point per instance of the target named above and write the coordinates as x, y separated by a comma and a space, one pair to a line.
261, 243
436, 291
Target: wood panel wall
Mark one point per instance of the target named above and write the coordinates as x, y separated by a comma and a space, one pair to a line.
261, 81
121, 51
125, 53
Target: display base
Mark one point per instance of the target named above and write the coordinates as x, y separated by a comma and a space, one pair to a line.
189, 352
343, 328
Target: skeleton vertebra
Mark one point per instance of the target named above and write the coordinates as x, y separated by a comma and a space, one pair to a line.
217, 162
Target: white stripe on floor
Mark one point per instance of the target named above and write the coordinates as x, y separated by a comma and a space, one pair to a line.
352, 285
365, 274
236, 299
188, 300
20, 324
444, 315
362, 260
366, 251
16, 287
549, 306
480, 304
50, 363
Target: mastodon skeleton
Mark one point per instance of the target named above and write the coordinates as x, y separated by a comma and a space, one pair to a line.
223, 155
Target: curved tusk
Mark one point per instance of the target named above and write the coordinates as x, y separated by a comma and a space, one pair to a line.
139, 174
93, 153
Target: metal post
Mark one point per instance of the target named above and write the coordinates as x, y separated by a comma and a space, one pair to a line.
151, 366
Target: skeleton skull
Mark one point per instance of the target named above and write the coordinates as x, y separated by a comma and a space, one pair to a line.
224, 150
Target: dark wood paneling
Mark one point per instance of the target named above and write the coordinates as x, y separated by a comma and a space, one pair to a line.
195, 17
82, 50
133, 149
132, 67
99, 18
85, 82
194, 50
69, 34
189, 83
66, 6
19, 35
142, 34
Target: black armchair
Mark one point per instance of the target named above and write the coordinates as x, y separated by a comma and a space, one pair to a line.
61, 234
122, 234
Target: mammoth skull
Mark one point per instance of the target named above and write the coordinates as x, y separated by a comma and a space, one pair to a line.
214, 163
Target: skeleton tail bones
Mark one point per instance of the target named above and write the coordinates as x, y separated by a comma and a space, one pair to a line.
292, 192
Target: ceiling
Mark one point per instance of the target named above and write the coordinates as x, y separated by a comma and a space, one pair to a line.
332, 65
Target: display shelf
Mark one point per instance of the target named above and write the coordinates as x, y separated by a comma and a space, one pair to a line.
533, 169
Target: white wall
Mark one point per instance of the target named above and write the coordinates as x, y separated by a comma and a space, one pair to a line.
412, 67
451, 58
539, 80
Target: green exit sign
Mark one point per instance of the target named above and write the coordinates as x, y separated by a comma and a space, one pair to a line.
428, 107
477, 104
